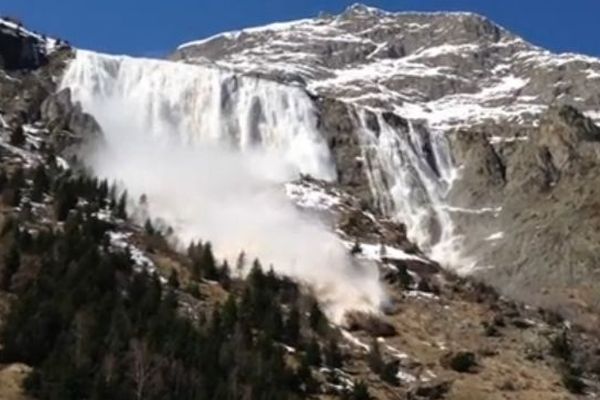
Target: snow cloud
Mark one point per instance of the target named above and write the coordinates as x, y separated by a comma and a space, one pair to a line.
212, 189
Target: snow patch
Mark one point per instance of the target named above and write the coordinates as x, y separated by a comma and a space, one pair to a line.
355, 341
495, 236
311, 196
378, 252
120, 240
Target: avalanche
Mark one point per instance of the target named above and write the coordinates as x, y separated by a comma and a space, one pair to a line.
212, 152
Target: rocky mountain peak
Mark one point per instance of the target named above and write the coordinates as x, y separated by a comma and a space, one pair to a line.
447, 69
362, 9
473, 26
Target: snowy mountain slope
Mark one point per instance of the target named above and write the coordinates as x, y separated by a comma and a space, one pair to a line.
441, 121
449, 69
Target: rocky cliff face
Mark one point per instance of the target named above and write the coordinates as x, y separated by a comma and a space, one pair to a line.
22, 49
443, 121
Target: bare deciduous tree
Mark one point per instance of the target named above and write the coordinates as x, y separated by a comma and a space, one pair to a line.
144, 367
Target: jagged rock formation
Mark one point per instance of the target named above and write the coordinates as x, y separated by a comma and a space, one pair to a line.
21, 49
440, 121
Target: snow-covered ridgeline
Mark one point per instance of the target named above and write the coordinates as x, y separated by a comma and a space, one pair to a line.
452, 69
196, 104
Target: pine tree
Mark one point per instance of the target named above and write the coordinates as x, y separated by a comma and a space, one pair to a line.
375, 359
292, 327
12, 262
273, 323
174, 279
404, 277
240, 264
41, 183
149, 228
230, 314
122, 206
225, 275
333, 355
209, 265
317, 319
313, 353
360, 391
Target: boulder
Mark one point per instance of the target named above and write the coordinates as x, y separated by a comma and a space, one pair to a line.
461, 361
372, 324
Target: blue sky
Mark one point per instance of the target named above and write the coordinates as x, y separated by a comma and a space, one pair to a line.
155, 27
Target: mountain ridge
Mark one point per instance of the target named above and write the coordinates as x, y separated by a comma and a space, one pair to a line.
269, 52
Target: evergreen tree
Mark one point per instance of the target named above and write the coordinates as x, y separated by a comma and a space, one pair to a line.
375, 359
404, 277
209, 265
174, 279
230, 314
225, 275
240, 264
12, 262
292, 327
149, 228
333, 355
356, 248
41, 183
122, 206
313, 353
360, 391
317, 319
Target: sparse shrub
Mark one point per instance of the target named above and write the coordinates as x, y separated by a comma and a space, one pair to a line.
356, 248
462, 361
560, 347
389, 373
491, 329
194, 290
404, 277
360, 391
573, 382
